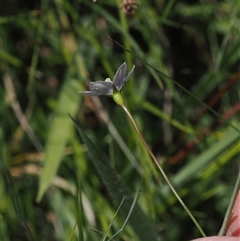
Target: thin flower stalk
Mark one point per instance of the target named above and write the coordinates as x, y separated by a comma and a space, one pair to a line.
162, 171
113, 88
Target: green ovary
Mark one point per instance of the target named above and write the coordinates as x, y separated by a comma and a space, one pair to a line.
117, 97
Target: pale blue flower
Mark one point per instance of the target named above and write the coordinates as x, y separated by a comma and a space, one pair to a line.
109, 87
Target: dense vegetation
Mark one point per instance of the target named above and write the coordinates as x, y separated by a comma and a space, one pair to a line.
64, 180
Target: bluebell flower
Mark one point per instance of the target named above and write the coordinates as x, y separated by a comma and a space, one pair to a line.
109, 87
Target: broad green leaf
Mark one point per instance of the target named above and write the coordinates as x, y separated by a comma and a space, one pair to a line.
140, 223
60, 129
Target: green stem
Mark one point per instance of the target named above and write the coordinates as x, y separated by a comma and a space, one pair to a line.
228, 214
162, 171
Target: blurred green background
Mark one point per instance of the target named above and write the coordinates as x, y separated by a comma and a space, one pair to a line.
184, 96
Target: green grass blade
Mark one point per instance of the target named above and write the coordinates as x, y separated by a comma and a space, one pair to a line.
59, 132
203, 160
9, 185
79, 206
161, 114
230, 206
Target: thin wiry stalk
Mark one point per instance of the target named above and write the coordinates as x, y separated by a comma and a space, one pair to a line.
128, 216
228, 214
162, 171
115, 215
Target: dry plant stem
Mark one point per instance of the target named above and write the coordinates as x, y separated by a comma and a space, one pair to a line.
19, 113
162, 171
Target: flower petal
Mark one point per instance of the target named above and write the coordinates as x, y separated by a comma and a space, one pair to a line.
129, 74
101, 88
121, 76
87, 93
118, 80
106, 87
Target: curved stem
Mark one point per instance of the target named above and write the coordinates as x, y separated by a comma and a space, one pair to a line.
162, 171
228, 214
